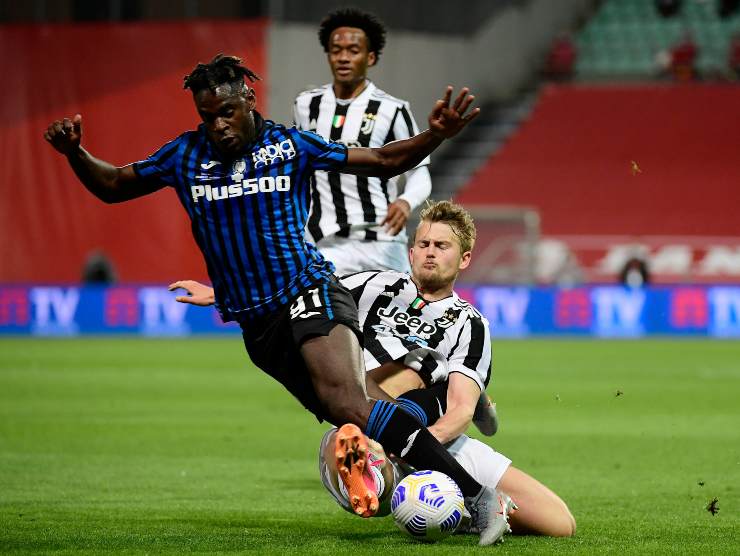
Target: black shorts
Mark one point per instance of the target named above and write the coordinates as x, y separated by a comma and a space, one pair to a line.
274, 342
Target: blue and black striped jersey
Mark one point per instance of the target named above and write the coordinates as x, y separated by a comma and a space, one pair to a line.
248, 214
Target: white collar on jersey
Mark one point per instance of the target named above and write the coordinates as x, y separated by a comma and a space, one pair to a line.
369, 88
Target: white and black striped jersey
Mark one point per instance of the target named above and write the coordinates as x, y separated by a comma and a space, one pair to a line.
434, 338
342, 204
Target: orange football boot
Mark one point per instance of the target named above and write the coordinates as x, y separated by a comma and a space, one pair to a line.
350, 451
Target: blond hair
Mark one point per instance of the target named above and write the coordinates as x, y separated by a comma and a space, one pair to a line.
455, 216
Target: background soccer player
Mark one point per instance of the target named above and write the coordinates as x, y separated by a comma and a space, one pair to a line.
245, 184
358, 222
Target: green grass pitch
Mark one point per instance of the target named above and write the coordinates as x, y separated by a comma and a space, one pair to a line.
182, 446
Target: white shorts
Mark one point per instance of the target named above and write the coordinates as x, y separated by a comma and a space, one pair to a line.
355, 255
484, 464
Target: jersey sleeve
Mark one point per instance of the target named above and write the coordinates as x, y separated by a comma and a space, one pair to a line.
418, 187
160, 166
356, 282
324, 155
296, 115
472, 355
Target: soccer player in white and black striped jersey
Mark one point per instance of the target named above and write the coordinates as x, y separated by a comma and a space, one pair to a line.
418, 336
357, 222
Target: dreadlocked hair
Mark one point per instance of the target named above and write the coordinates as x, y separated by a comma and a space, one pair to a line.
455, 216
352, 17
219, 71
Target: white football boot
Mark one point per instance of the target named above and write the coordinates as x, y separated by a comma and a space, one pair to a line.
489, 515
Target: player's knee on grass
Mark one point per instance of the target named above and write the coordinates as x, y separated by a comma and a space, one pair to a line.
541, 511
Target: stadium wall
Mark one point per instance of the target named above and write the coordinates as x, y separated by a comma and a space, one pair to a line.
126, 81
495, 62
623, 170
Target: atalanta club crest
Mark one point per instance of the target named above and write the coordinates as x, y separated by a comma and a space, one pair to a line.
238, 170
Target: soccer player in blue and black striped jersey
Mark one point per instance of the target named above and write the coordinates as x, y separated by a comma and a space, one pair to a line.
244, 182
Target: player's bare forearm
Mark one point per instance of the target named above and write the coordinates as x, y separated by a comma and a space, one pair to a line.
393, 158
462, 396
452, 424
107, 182
99, 177
445, 121
104, 180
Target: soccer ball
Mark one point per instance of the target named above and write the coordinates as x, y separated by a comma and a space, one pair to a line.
427, 505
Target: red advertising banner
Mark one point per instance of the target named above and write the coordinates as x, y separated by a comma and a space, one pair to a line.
126, 81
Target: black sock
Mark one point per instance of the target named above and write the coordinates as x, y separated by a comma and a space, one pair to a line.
426, 404
402, 435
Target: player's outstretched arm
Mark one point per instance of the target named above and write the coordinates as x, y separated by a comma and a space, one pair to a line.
198, 294
445, 121
108, 183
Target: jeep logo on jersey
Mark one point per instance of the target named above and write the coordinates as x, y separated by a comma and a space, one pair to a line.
265, 184
414, 324
265, 156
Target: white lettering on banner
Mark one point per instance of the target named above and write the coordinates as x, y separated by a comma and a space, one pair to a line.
161, 314
672, 259
505, 309
618, 311
725, 311
54, 310
720, 260
691, 259
551, 257
668, 259
618, 255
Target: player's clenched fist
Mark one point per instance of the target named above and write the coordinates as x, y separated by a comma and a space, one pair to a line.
65, 135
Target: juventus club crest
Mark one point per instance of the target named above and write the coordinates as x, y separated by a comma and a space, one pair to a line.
451, 315
368, 123
238, 170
